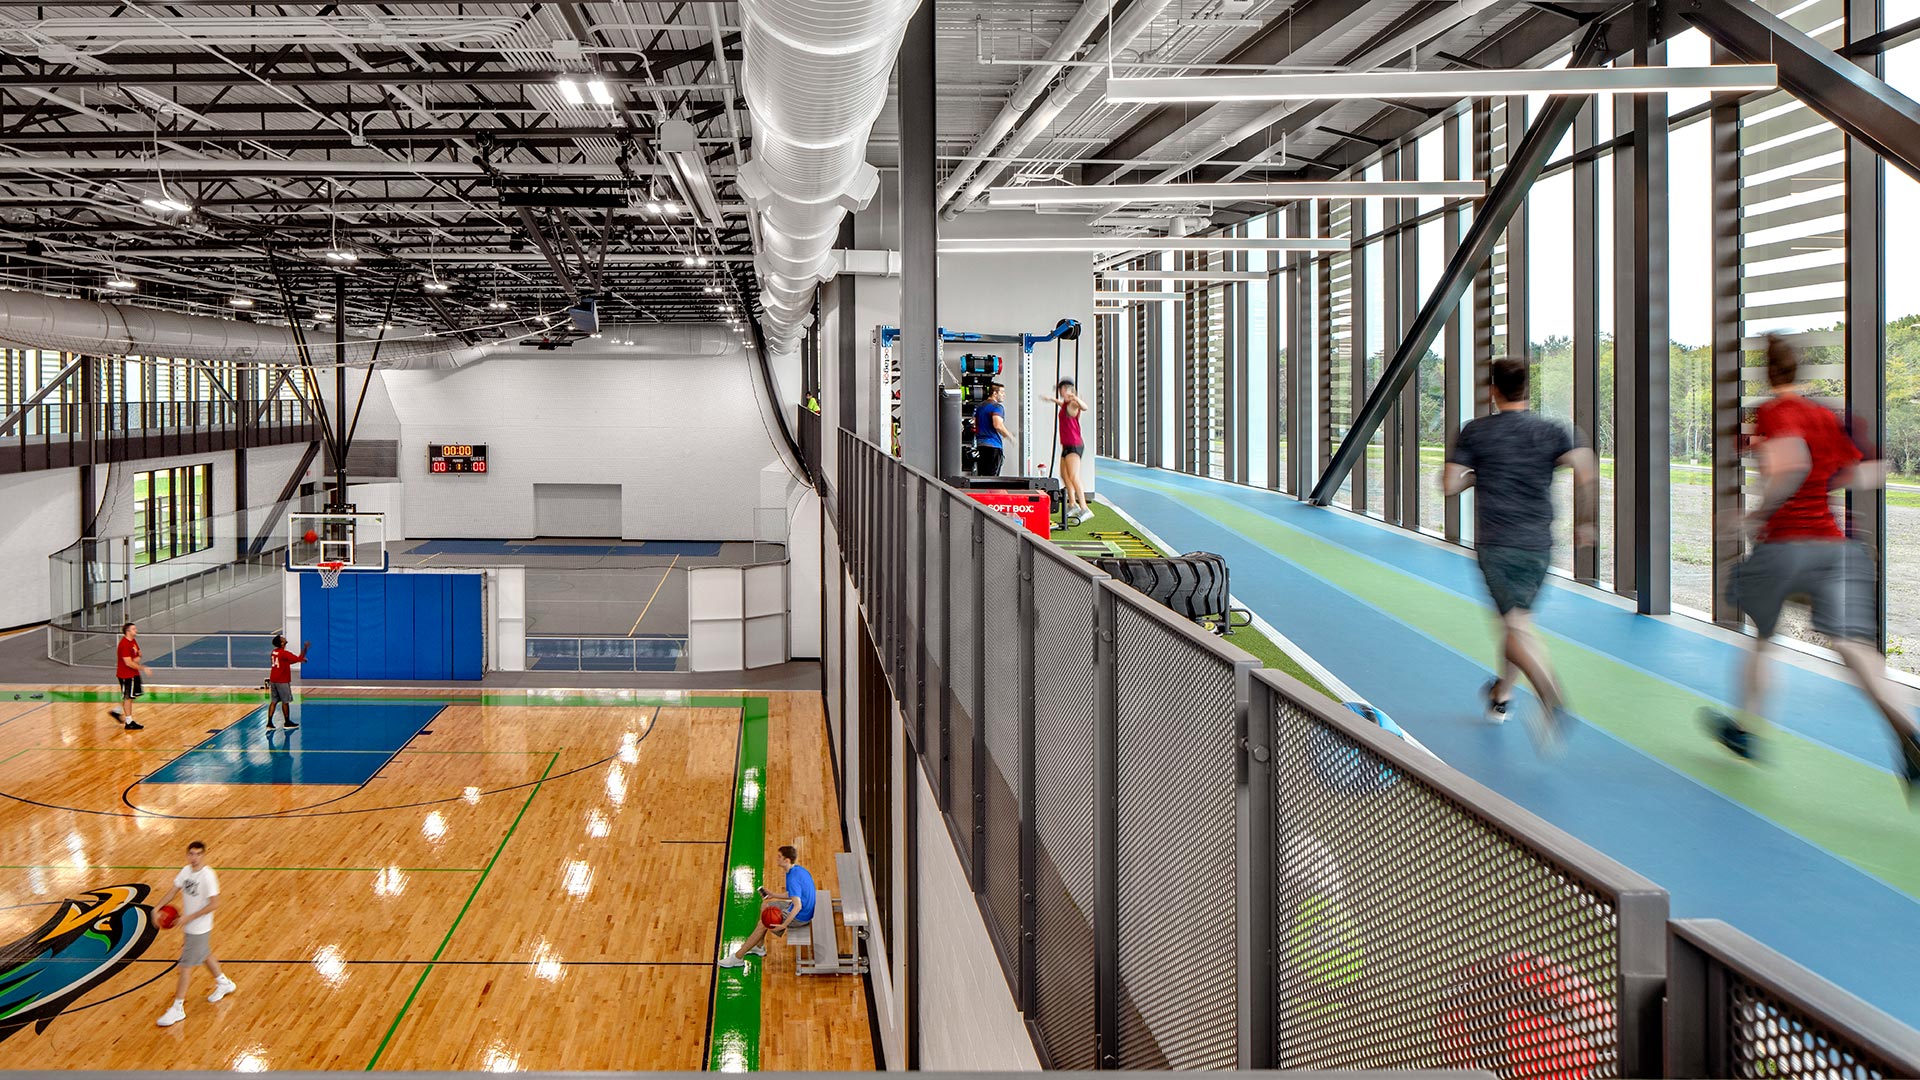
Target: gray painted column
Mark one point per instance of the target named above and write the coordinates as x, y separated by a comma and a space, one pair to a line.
1642, 564
1866, 200
919, 261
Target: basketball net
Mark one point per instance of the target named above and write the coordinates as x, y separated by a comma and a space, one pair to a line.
330, 574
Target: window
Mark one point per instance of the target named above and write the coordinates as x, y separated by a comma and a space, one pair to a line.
1336, 342
1900, 443
173, 512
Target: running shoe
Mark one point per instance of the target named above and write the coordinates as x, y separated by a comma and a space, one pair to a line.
1497, 711
1549, 729
733, 962
134, 725
115, 713
1910, 767
222, 989
1728, 733
172, 1016
757, 950
290, 724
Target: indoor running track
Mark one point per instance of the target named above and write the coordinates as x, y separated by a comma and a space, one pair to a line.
1814, 851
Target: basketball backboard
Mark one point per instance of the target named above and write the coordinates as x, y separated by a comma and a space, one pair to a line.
357, 541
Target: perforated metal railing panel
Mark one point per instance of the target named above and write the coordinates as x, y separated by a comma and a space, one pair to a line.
912, 575
934, 632
963, 629
1409, 932
1769, 1039
1063, 762
1000, 615
1174, 792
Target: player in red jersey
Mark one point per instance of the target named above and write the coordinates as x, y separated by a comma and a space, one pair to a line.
129, 670
1804, 453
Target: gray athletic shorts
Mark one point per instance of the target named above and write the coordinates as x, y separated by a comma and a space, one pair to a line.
1836, 577
1514, 575
195, 949
282, 691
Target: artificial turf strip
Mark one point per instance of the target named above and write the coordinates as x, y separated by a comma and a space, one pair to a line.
1270, 655
734, 1042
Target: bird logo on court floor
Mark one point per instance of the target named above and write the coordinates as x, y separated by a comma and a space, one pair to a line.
83, 944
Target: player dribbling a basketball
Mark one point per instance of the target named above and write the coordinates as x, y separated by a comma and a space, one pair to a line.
791, 907
199, 889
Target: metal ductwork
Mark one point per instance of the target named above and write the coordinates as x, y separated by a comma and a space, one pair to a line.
815, 78
34, 321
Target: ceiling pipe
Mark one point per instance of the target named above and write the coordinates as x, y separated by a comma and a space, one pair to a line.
33, 321
1129, 26
1066, 47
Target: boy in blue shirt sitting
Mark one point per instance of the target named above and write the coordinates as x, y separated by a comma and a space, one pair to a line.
794, 903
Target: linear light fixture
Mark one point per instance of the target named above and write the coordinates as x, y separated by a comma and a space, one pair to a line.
570, 91
121, 283
1004, 245
239, 302
1119, 295
1275, 191
1414, 85
1185, 275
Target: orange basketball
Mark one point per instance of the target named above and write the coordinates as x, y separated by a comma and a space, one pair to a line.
770, 916
167, 916
311, 536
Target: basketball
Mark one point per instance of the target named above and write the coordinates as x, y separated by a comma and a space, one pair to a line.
311, 536
167, 916
770, 916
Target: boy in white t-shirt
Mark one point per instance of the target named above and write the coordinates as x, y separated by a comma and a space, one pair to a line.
199, 890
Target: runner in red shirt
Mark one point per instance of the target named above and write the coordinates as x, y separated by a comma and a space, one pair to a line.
1800, 550
128, 669
280, 679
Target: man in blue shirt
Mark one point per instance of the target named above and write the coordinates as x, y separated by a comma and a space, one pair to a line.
794, 903
990, 426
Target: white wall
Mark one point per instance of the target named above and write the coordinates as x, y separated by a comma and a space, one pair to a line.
1023, 293
685, 436
968, 1019
41, 516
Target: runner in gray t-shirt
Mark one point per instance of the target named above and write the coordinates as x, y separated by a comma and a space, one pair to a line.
1509, 459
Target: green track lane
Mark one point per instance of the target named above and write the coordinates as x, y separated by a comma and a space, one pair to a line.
1836, 802
734, 1045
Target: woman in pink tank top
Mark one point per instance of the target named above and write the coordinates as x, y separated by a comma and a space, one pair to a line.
1072, 447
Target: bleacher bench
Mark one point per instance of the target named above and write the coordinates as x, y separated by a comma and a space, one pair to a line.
816, 946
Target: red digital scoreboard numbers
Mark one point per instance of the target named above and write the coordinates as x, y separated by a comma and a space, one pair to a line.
457, 457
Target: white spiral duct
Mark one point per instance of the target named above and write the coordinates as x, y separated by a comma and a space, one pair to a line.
815, 79
34, 321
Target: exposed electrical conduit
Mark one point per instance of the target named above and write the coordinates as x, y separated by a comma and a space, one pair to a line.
815, 78
1066, 47
1129, 26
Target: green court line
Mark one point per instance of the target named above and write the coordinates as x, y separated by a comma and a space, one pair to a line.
1833, 800
488, 870
734, 1045
328, 869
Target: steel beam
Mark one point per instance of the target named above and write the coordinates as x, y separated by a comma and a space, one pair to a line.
1499, 208
1853, 98
1642, 345
1586, 316
919, 253
1728, 471
1866, 321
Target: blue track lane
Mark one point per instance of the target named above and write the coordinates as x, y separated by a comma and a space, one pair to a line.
1716, 857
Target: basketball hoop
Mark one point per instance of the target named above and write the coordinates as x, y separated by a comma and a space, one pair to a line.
330, 573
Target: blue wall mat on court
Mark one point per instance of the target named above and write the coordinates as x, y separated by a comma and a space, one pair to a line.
393, 626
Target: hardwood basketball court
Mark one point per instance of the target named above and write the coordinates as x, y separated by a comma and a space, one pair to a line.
491, 881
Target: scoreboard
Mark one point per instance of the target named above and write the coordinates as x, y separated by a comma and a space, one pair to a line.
457, 457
